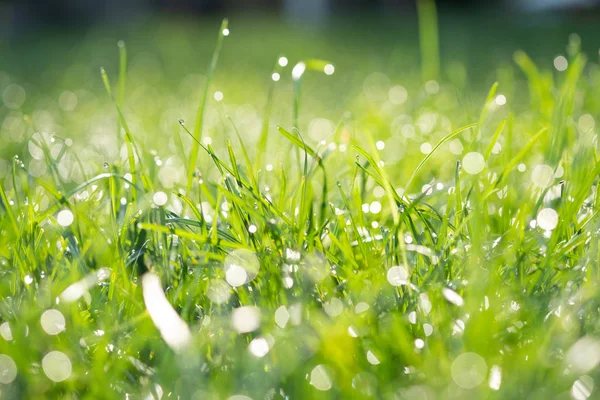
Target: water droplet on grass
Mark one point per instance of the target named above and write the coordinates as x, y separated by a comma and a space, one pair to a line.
453, 297
547, 219
218, 292
372, 358
473, 163
173, 329
80, 288
259, 347
397, 276
584, 355
432, 87
282, 316
246, 319
67, 101
298, 71
561, 63
65, 218
245, 260
319, 378
53, 322
160, 198
57, 366
334, 307
542, 176
375, 207
427, 329
495, 377
235, 275
315, 266
361, 307
14, 96
6, 332
426, 148
8, 369
582, 388
468, 370
398, 95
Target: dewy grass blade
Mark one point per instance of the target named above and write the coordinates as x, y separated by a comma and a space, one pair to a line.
201, 108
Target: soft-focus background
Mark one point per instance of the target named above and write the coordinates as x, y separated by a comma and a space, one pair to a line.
51, 51
394, 288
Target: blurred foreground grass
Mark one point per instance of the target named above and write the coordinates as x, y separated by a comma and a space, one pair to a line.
350, 229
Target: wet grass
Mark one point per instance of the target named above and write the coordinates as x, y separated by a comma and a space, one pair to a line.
299, 226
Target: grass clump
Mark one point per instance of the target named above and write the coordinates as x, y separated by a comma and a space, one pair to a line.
418, 248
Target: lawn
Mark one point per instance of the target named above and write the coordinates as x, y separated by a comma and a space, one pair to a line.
260, 210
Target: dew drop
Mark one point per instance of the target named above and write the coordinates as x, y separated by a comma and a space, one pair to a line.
375, 207
372, 358
315, 266
298, 71
495, 377
259, 347
582, 388
334, 307
427, 329
542, 176
319, 378
282, 316
584, 355
473, 163
426, 148
65, 218
8, 369
361, 307
6, 332
160, 198
218, 292
547, 219
397, 276
468, 370
246, 319
236, 275
245, 260
453, 297
57, 366
561, 63
53, 322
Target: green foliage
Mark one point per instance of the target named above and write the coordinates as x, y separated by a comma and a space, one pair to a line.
417, 247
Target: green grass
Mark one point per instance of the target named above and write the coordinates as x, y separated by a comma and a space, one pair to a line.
312, 237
